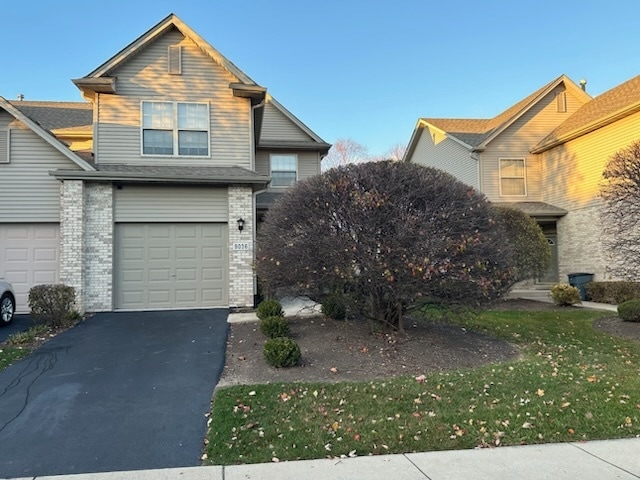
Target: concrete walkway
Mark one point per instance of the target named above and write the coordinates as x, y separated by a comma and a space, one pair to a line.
543, 296
597, 460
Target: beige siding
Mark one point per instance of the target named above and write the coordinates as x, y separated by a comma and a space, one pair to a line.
145, 77
170, 204
4, 143
308, 163
516, 141
276, 126
573, 171
435, 149
27, 192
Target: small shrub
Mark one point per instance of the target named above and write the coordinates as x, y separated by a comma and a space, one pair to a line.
629, 311
281, 352
269, 308
273, 327
613, 292
53, 305
334, 307
564, 294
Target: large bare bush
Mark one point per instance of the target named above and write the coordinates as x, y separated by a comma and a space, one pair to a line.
390, 234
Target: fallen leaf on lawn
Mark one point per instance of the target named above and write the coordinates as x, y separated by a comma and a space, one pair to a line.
333, 370
252, 393
571, 431
591, 379
527, 425
420, 378
204, 456
356, 437
284, 396
335, 426
352, 454
540, 392
565, 404
275, 459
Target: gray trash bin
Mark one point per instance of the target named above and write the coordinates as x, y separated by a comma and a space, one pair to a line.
579, 280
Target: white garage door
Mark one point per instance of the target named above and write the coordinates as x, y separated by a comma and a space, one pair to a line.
162, 265
29, 255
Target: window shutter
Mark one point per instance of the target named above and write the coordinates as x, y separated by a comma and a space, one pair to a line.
175, 60
4, 145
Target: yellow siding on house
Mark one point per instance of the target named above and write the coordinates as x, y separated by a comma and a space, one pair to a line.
573, 171
27, 192
308, 163
436, 149
145, 77
517, 140
276, 126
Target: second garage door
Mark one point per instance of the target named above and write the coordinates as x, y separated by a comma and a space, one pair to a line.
177, 265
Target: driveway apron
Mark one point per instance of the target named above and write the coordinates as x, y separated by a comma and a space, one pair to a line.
120, 391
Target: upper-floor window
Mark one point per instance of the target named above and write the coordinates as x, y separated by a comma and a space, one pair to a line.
284, 170
512, 177
175, 129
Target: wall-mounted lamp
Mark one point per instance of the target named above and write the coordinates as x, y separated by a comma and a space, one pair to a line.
240, 224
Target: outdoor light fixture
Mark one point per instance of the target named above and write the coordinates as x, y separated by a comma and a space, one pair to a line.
240, 224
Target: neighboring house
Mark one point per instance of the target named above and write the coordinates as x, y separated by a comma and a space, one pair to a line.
147, 195
544, 155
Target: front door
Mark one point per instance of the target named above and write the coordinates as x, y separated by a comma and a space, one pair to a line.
551, 275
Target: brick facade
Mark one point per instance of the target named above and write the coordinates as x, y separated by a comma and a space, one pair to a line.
580, 247
98, 247
241, 275
72, 238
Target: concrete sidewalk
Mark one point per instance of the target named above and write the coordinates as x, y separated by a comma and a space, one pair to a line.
543, 296
596, 460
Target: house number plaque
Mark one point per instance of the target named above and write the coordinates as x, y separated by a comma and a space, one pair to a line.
240, 246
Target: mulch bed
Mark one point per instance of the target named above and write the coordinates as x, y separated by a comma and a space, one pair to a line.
336, 351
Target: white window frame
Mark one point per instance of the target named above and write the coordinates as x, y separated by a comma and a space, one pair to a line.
175, 130
271, 170
7, 134
523, 177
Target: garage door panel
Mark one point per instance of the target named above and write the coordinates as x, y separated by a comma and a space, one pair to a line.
29, 255
178, 265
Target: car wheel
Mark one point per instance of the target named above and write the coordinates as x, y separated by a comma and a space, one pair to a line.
7, 308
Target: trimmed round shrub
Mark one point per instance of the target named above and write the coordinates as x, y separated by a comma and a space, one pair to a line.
269, 308
281, 352
334, 307
564, 294
629, 311
273, 327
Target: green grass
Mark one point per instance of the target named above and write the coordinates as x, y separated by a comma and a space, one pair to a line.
571, 383
9, 355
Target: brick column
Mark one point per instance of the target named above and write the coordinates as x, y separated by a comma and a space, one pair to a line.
98, 247
241, 258
72, 238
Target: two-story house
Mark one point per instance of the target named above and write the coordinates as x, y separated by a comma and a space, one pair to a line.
544, 155
147, 195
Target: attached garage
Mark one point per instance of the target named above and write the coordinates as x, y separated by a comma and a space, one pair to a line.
170, 247
163, 265
29, 255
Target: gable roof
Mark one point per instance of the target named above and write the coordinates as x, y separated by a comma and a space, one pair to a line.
604, 109
45, 134
477, 133
99, 80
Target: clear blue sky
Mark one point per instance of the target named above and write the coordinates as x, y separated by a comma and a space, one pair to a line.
360, 69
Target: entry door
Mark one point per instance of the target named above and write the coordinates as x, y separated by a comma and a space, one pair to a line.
551, 275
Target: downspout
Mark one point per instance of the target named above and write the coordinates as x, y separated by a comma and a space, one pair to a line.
256, 193
476, 156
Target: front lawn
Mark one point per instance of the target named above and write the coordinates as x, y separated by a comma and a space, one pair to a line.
571, 383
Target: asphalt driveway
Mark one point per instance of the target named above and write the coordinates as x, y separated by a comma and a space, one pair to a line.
120, 391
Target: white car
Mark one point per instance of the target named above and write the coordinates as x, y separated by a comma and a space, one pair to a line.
7, 302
